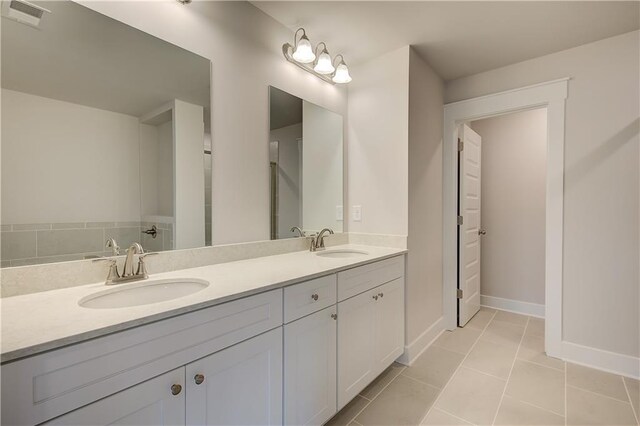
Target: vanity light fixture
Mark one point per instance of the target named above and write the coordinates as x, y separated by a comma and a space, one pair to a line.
316, 61
184, 1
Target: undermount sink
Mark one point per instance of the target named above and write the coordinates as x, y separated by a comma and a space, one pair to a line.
142, 293
341, 253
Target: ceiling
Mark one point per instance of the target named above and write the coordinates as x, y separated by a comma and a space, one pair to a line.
456, 38
81, 56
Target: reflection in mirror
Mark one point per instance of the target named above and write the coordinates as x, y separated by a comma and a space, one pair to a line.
105, 134
305, 157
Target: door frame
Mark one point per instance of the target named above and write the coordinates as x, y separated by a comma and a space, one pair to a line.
552, 95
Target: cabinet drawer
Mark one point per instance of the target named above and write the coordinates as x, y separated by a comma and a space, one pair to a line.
47, 385
308, 297
357, 280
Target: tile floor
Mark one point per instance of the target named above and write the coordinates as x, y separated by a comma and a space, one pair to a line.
493, 372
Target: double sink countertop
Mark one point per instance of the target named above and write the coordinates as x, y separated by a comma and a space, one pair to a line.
43, 321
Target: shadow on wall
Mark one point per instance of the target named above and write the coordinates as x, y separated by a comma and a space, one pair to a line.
604, 151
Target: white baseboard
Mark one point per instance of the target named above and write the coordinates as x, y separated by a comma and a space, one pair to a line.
525, 308
612, 362
414, 349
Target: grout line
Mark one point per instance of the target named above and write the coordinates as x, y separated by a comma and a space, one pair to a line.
629, 396
453, 415
458, 368
368, 399
420, 381
541, 365
354, 421
485, 373
515, 358
599, 394
537, 406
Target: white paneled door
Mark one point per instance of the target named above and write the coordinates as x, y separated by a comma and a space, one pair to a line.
469, 230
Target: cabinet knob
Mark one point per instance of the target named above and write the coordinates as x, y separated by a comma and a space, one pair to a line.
381, 294
334, 316
198, 378
176, 389
314, 296
375, 297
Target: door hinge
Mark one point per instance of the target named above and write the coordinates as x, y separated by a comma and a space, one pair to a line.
460, 145
459, 293
460, 220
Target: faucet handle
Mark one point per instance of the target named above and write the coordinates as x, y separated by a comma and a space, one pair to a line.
113, 269
142, 267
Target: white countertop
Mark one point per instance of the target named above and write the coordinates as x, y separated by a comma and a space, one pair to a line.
39, 322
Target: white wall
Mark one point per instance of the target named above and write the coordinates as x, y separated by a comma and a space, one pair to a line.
44, 181
156, 169
378, 144
244, 45
322, 167
601, 214
514, 158
289, 175
424, 264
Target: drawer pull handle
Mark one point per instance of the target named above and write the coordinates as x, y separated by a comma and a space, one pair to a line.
314, 296
199, 379
376, 297
334, 316
176, 389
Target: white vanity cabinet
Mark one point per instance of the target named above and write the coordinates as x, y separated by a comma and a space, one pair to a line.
241, 385
159, 401
370, 326
310, 368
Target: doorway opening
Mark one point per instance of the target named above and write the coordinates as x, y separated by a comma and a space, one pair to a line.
552, 96
501, 214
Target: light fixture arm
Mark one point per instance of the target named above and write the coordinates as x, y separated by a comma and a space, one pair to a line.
335, 60
296, 40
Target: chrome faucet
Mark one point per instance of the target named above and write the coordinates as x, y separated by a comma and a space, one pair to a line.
295, 228
114, 277
317, 241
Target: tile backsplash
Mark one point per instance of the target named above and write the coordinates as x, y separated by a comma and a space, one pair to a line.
30, 244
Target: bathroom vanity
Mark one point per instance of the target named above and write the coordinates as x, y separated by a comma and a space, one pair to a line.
292, 347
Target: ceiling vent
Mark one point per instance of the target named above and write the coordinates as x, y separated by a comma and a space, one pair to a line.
23, 12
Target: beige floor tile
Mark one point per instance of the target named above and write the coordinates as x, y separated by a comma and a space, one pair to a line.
503, 333
537, 385
633, 386
513, 412
535, 327
606, 384
532, 349
460, 340
404, 402
491, 358
382, 380
472, 396
511, 318
480, 320
587, 408
349, 412
487, 309
435, 366
440, 418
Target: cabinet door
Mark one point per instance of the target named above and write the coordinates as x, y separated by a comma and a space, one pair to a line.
356, 337
310, 368
159, 401
389, 323
240, 385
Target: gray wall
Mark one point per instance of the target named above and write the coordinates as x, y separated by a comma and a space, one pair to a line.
514, 158
424, 264
601, 215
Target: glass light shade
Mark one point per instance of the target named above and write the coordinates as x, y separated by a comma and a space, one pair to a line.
324, 65
342, 74
304, 53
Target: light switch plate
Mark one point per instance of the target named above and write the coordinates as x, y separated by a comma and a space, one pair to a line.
339, 213
357, 213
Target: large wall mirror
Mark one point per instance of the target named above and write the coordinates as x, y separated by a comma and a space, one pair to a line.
105, 134
306, 166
